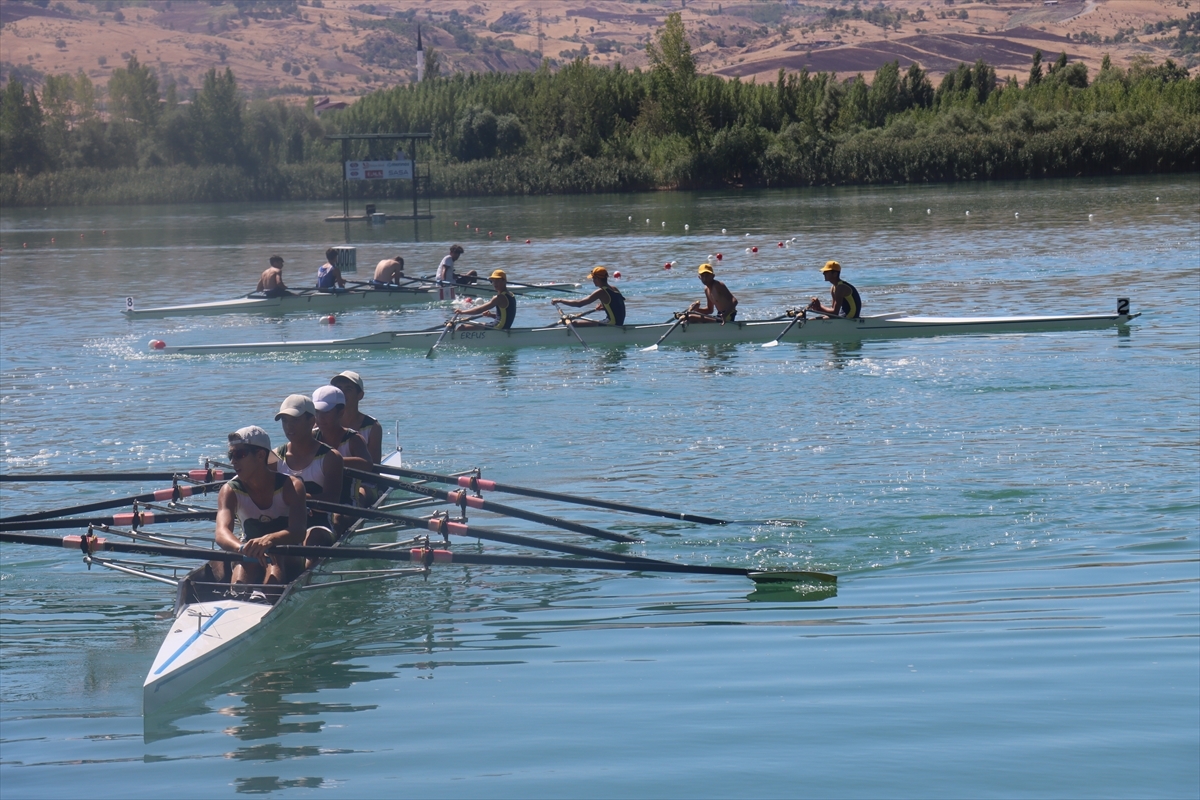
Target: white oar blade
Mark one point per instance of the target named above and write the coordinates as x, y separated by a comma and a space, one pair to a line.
650, 349
772, 343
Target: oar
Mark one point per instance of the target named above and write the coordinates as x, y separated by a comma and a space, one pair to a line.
128, 518
797, 316
417, 555
449, 327
470, 482
461, 497
445, 526
174, 493
679, 318
203, 475
570, 323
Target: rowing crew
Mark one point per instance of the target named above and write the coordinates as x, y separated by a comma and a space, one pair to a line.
325, 433
719, 303
389, 274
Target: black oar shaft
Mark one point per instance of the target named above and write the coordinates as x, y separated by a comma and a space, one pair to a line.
465, 481
142, 548
459, 529
162, 495
119, 477
487, 505
143, 518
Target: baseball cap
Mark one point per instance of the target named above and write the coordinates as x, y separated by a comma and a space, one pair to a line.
598, 272
296, 405
831, 266
255, 437
498, 274
705, 268
328, 398
351, 376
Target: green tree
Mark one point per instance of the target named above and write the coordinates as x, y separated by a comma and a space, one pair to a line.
217, 119
1035, 71
673, 76
21, 144
133, 95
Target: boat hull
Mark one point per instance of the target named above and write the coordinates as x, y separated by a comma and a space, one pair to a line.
330, 302
888, 326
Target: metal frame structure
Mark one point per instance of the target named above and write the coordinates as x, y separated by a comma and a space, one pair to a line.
345, 139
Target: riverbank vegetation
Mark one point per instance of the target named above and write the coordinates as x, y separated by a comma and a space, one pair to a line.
592, 129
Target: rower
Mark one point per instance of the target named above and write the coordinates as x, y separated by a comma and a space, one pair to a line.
351, 384
445, 273
608, 299
270, 283
329, 277
270, 507
504, 305
316, 464
720, 304
846, 301
388, 273
330, 404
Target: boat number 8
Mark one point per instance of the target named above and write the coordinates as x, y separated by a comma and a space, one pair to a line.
129, 304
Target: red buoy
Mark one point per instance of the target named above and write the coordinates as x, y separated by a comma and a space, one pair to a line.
157, 344
753, 249
329, 320
51, 240
719, 256
507, 238
617, 274
489, 233
527, 241
667, 265
780, 244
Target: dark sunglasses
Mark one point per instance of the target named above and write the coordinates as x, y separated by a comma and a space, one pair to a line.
238, 453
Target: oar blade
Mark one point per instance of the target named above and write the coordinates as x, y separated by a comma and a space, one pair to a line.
788, 577
772, 343
650, 349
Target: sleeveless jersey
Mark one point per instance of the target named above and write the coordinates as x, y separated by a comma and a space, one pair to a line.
258, 521
313, 475
614, 305
506, 313
344, 445
851, 306
325, 278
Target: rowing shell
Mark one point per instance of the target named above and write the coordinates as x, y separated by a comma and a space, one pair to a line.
209, 630
886, 326
312, 301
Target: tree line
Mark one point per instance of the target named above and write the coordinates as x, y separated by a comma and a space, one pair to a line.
586, 128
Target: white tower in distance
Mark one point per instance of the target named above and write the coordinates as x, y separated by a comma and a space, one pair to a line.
420, 57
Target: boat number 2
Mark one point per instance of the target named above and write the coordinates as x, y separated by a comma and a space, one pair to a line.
129, 304
1122, 305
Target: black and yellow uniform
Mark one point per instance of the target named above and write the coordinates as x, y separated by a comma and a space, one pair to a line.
851, 305
257, 521
506, 310
614, 305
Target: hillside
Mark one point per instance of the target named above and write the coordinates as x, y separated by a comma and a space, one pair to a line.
346, 48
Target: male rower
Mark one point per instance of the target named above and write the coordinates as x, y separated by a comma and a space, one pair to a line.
388, 273
503, 307
607, 298
445, 273
329, 277
318, 466
351, 384
330, 404
721, 305
270, 507
270, 283
846, 301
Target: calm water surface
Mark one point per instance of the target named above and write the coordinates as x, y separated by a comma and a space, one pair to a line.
1013, 519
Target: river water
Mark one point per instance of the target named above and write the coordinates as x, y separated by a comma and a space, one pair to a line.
1013, 519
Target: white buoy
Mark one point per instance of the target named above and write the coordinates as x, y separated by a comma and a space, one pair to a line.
664, 224
929, 211
1090, 216
647, 220
722, 230
889, 209
631, 218
1156, 199
968, 213
747, 249
687, 227
1016, 213
747, 234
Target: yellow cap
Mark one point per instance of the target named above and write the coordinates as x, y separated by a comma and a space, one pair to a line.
706, 267
598, 272
831, 266
498, 274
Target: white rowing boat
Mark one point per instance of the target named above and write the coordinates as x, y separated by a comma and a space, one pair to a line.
315, 302
210, 629
885, 326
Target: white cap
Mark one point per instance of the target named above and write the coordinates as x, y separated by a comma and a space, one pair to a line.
351, 376
255, 437
296, 405
328, 398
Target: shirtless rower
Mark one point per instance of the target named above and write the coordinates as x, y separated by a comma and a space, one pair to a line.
503, 307
270, 283
270, 507
445, 273
720, 304
317, 465
608, 298
351, 384
388, 273
846, 300
329, 277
